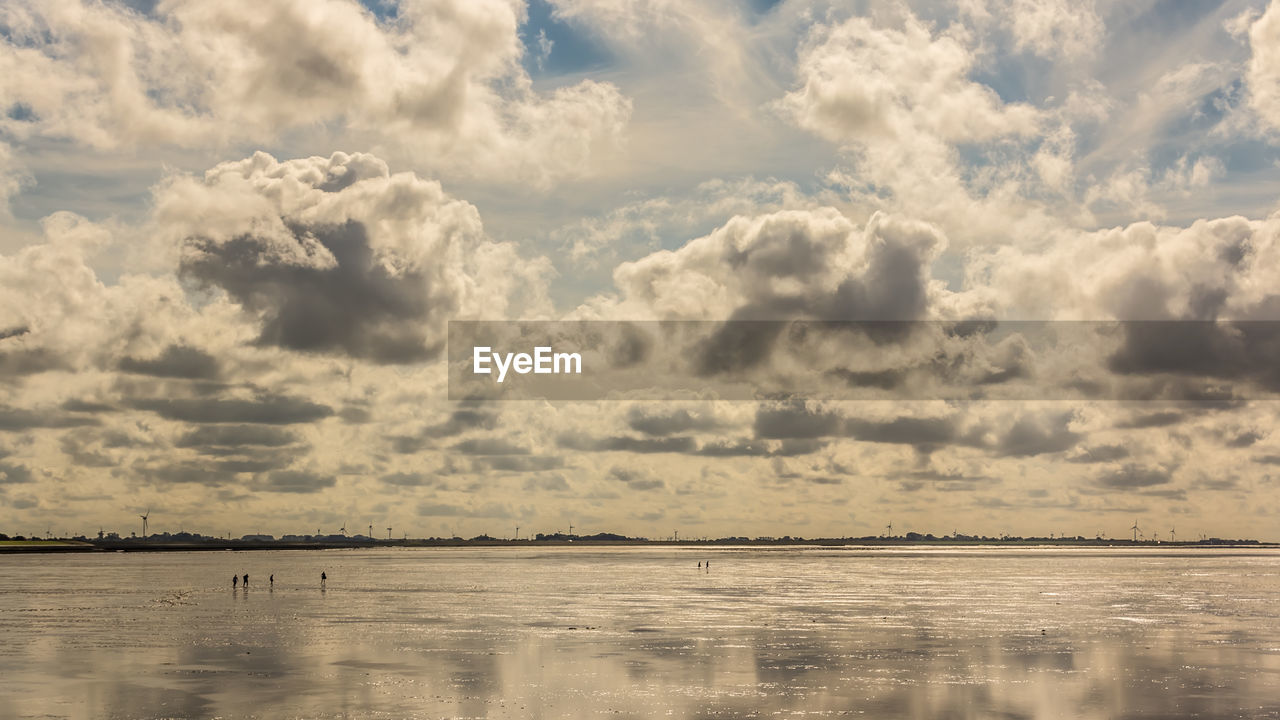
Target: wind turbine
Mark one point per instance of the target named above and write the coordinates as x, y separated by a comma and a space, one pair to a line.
1172, 536
370, 531
144, 517
1135, 530
889, 529
343, 529
388, 533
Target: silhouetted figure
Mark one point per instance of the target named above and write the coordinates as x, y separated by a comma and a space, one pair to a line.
246, 581
708, 567
235, 580
699, 564
323, 577
272, 580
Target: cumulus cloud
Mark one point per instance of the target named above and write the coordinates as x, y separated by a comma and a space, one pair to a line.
443, 80
266, 409
1131, 476
861, 83
1263, 74
1054, 29
789, 264
339, 255
636, 479
177, 361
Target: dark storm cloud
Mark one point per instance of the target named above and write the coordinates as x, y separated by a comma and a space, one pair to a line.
907, 431
795, 420
798, 446
87, 406
355, 414
826, 480
1029, 436
737, 345
623, 443
16, 360
235, 436
220, 464
489, 446
635, 479
21, 419
468, 416
880, 379
177, 361
1100, 453
631, 347
11, 474
294, 481
1267, 459
651, 422
518, 463
78, 447
1153, 420
1244, 439
1237, 351
408, 479
29, 361
358, 307
894, 285
1131, 476
266, 410
407, 444
1178, 494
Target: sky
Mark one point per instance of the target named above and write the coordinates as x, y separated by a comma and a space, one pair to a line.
233, 234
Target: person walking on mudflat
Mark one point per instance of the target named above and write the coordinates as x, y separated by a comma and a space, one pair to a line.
235, 579
246, 581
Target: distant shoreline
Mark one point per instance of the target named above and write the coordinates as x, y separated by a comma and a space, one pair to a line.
134, 545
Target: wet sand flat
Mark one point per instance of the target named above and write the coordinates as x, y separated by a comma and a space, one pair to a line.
643, 633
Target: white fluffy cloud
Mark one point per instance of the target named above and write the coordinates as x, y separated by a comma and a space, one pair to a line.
1055, 29
792, 263
1223, 268
1264, 67
340, 255
862, 83
442, 81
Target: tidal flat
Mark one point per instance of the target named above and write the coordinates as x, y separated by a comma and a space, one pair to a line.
643, 633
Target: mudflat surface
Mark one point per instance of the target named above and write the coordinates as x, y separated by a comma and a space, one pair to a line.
643, 633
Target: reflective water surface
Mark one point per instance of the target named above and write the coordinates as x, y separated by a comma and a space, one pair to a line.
641, 633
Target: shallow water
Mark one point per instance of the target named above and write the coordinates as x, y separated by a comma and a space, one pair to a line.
640, 633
